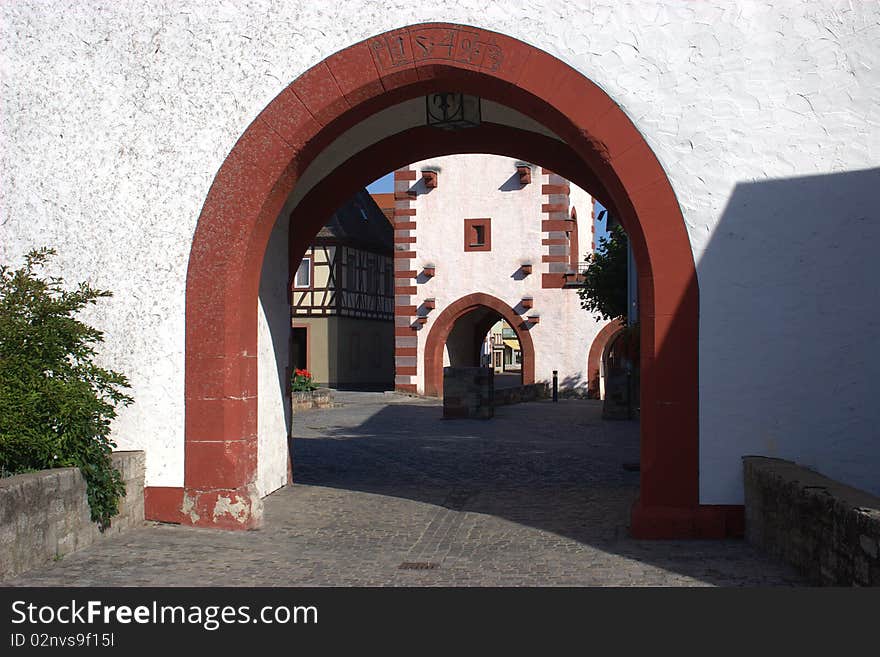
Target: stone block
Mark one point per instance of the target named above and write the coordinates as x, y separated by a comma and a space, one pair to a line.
307, 400
468, 392
826, 529
66, 544
47, 513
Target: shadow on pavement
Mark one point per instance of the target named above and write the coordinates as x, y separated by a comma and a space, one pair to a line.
555, 467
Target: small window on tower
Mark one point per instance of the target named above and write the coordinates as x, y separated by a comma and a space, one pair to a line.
477, 235
304, 273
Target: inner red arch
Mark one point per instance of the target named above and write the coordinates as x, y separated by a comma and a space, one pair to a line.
602, 339
262, 169
442, 326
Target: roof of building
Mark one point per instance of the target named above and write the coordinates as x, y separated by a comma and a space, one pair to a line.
360, 223
385, 201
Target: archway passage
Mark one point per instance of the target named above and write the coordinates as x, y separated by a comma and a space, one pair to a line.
598, 149
480, 311
597, 349
464, 346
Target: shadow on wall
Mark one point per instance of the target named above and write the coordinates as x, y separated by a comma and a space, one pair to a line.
419, 188
512, 184
788, 355
571, 386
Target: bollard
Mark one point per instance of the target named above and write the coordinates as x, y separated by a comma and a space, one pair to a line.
555, 386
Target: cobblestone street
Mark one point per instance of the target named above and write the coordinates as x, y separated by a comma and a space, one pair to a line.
537, 496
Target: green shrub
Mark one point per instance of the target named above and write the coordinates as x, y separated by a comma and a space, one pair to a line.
605, 282
56, 404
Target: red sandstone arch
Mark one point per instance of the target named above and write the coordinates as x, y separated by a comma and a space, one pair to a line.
262, 168
602, 339
442, 326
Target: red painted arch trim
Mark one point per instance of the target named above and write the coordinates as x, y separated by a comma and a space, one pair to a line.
442, 326
602, 339
262, 168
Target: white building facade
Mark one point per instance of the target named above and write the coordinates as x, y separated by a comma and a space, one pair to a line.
500, 227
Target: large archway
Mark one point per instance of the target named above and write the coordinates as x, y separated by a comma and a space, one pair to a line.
444, 324
598, 148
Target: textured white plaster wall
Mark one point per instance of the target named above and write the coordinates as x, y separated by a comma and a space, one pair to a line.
273, 360
481, 186
116, 116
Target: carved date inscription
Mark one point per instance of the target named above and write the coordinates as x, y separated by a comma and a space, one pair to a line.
406, 48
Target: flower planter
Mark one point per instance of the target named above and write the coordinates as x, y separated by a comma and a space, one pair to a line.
304, 400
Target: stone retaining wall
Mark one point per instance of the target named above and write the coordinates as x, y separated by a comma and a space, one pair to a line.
45, 515
303, 401
519, 394
829, 531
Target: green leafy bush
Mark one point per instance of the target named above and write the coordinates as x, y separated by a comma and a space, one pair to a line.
605, 281
56, 404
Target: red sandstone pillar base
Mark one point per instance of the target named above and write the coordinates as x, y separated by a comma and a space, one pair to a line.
702, 521
239, 508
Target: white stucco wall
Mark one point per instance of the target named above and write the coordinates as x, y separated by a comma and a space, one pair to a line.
273, 359
116, 116
486, 186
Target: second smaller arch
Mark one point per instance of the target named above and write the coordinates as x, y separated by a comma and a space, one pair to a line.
597, 351
442, 328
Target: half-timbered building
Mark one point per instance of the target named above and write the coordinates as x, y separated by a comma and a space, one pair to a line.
342, 297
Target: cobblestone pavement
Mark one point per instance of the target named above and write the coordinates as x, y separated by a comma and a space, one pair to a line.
536, 496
